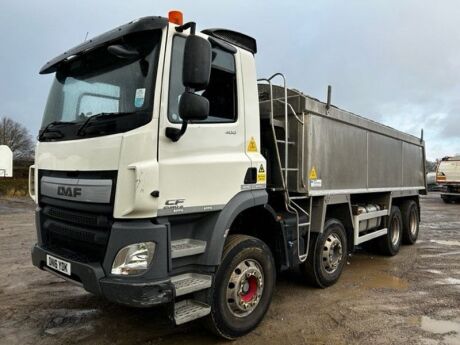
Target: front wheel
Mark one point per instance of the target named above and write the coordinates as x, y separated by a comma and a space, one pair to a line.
327, 256
243, 287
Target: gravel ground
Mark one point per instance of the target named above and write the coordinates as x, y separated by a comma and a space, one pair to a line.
412, 298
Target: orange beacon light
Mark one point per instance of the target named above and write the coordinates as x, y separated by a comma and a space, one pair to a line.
176, 17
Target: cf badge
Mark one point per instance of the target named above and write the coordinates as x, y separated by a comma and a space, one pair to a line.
175, 205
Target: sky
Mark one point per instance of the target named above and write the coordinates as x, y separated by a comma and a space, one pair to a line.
394, 61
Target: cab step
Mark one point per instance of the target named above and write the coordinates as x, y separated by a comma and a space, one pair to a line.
187, 247
188, 310
191, 282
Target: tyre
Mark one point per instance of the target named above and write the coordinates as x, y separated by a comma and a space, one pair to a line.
410, 218
447, 199
243, 287
391, 243
327, 255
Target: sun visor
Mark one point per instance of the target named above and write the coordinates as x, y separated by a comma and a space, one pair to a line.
142, 24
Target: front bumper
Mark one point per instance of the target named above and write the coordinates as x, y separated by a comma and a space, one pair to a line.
136, 293
148, 289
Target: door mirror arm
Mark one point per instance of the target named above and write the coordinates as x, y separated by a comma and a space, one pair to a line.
175, 133
192, 107
189, 25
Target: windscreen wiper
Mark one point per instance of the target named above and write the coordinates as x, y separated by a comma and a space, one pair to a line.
81, 130
49, 129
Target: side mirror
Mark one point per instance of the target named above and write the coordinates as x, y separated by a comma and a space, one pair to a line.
197, 63
193, 107
196, 72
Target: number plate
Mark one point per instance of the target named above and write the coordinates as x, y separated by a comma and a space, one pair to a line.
58, 264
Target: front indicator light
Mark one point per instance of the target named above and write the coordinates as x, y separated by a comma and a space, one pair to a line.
133, 259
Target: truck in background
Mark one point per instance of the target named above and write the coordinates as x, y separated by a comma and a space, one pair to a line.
166, 173
448, 176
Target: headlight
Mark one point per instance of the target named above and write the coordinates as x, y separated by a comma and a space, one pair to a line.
133, 259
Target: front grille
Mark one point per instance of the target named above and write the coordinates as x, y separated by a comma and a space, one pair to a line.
69, 254
79, 235
78, 231
73, 235
92, 220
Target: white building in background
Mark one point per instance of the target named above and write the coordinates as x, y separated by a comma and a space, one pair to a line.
6, 161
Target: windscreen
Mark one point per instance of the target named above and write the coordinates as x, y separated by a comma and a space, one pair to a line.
115, 88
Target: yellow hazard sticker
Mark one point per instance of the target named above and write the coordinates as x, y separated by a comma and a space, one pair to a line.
313, 175
252, 146
261, 176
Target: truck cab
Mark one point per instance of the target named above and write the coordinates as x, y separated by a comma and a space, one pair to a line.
123, 204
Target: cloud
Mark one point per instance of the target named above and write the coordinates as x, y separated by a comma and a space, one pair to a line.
392, 61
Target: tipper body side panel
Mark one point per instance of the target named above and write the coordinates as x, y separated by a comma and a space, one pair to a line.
337, 152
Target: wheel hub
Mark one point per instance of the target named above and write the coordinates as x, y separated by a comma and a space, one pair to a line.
332, 253
245, 287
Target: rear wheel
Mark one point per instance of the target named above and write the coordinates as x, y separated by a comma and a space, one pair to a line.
327, 255
410, 217
391, 242
243, 287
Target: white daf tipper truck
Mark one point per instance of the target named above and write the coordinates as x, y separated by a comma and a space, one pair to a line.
166, 173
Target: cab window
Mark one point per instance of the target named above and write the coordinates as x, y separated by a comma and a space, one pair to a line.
221, 91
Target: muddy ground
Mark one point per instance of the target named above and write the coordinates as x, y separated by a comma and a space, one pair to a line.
412, 298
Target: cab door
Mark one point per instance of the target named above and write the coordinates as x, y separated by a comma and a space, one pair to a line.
206, 167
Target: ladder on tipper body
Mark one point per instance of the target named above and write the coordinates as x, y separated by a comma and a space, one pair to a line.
292, 203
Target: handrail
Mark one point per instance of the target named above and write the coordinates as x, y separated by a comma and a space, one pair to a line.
291, 206
292, 109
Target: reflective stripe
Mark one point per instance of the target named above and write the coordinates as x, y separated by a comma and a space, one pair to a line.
361, 190
185, 210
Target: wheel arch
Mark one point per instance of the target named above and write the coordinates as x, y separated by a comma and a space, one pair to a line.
217, 234
263, 223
